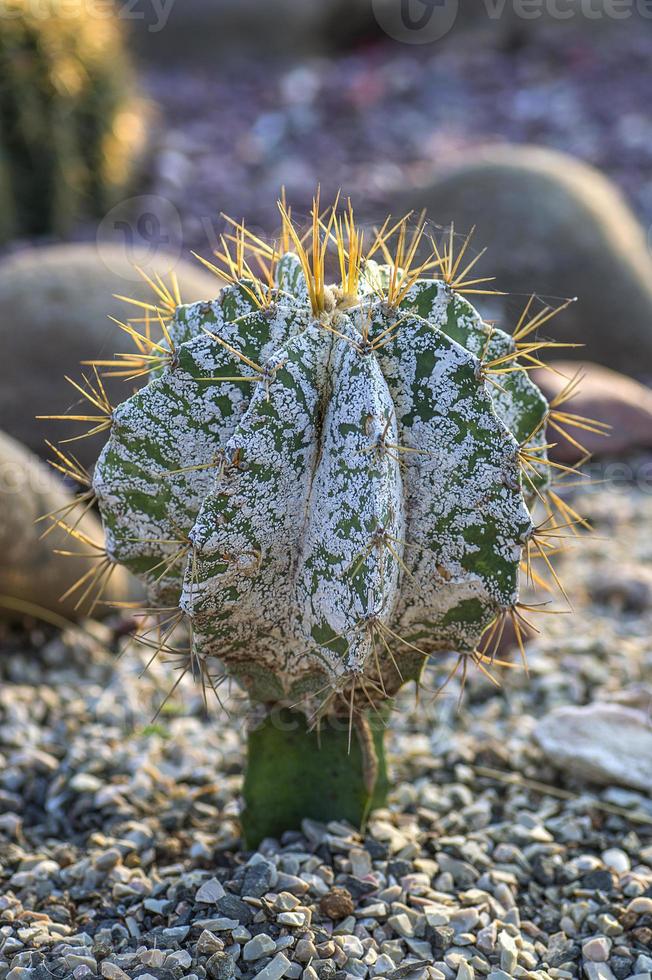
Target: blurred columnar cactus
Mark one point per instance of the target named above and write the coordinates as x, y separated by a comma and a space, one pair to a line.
332, 485
70, 130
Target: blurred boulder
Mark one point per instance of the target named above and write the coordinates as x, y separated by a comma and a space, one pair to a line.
603, 395
558, 227
54, 304
602, 743
30, 572
626, 588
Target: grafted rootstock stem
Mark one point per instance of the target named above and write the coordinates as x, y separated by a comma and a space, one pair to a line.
295, 771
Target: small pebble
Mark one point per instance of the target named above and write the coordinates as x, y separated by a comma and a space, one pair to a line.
276, 969
261, 945
616, 860
597, 949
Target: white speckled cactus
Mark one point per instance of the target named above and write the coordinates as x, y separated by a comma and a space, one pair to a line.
332, 482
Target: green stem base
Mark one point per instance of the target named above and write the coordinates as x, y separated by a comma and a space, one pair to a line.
293, 773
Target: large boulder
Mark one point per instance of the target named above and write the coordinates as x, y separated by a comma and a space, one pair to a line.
556, 226
605, 396
31, 573
602, 743
54, 308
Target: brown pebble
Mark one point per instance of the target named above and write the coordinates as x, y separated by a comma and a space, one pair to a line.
337, 904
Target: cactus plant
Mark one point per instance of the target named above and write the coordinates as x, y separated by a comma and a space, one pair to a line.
69, 129
332, 485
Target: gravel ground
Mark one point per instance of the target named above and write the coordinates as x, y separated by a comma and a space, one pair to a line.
119, 845
383, 117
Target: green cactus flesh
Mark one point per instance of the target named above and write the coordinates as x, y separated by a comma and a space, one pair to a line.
331, 493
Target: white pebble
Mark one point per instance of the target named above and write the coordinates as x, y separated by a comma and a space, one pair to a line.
352, 946
465, 971
294, 919
616, 860
508, 952
641, 905
384, 964
597, 949
210, 892
597, 971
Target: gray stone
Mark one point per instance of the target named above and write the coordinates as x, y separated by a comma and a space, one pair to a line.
74, 960
305, 951
258, 878
276, 969
261, 945
220, 966
153, 957
597, 971
602, 742
234, 908
508, 952
180, 957
209, 892
208, 943
401, 924
110, 971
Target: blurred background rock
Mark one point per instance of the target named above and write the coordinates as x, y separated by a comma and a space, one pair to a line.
55, 304
36, 579
582, 241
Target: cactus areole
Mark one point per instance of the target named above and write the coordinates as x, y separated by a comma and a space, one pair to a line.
332, 484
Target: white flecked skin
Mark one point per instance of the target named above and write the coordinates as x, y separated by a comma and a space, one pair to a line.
353, 505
